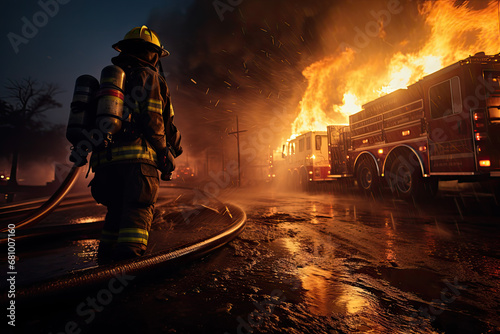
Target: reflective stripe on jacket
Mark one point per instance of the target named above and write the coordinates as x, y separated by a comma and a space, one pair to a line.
130, 153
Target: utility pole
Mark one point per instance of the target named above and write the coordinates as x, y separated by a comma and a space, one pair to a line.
223, 156
207, 170
237, 133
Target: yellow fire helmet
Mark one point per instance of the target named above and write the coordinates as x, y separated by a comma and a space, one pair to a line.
142, 35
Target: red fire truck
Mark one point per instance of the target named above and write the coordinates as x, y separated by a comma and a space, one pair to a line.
444, 127
303, 160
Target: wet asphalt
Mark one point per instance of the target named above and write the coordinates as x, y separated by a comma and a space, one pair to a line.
315, 262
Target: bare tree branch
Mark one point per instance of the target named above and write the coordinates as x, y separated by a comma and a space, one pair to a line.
20, 115
30, 100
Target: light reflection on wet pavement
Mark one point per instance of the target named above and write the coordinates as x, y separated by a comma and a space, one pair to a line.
323, 263
385, 266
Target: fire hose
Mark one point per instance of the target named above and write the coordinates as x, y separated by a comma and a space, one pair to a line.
52, 202
82, 280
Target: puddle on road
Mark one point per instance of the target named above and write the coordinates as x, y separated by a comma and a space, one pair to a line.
324, 295
86, 219
331, 290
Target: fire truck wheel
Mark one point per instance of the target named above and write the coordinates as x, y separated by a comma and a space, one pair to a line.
405, 180
367, 177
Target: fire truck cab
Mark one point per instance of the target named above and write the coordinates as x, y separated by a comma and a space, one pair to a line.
444, 127
338, 147
306, 158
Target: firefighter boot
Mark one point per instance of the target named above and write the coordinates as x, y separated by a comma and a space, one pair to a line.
104, 253
128, 250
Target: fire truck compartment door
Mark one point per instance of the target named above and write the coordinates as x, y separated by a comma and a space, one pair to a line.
450, 145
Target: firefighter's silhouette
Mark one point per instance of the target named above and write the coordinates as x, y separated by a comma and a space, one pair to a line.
137, 138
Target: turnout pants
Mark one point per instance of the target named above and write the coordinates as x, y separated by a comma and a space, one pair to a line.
129, 191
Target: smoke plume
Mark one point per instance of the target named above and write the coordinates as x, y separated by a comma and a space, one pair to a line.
252, 60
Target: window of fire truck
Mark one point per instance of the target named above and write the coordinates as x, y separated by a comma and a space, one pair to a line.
494, 115
318, 143
301, 144
445, 98
493, 80
308, 143
493, 88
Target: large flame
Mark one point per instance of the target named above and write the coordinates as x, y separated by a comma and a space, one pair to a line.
338, 86
323, 77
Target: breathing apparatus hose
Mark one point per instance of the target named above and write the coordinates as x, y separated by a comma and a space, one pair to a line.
52, 202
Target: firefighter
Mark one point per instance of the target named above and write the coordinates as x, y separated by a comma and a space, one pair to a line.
126, 166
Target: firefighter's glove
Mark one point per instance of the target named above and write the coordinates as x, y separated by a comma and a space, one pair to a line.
175, 143
178, 151
166, 163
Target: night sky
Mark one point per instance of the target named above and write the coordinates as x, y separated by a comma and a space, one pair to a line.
76, 40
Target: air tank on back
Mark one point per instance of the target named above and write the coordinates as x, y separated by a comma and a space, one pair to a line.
110, 103
82, 114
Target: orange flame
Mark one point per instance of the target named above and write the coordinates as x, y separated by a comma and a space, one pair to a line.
338, 86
